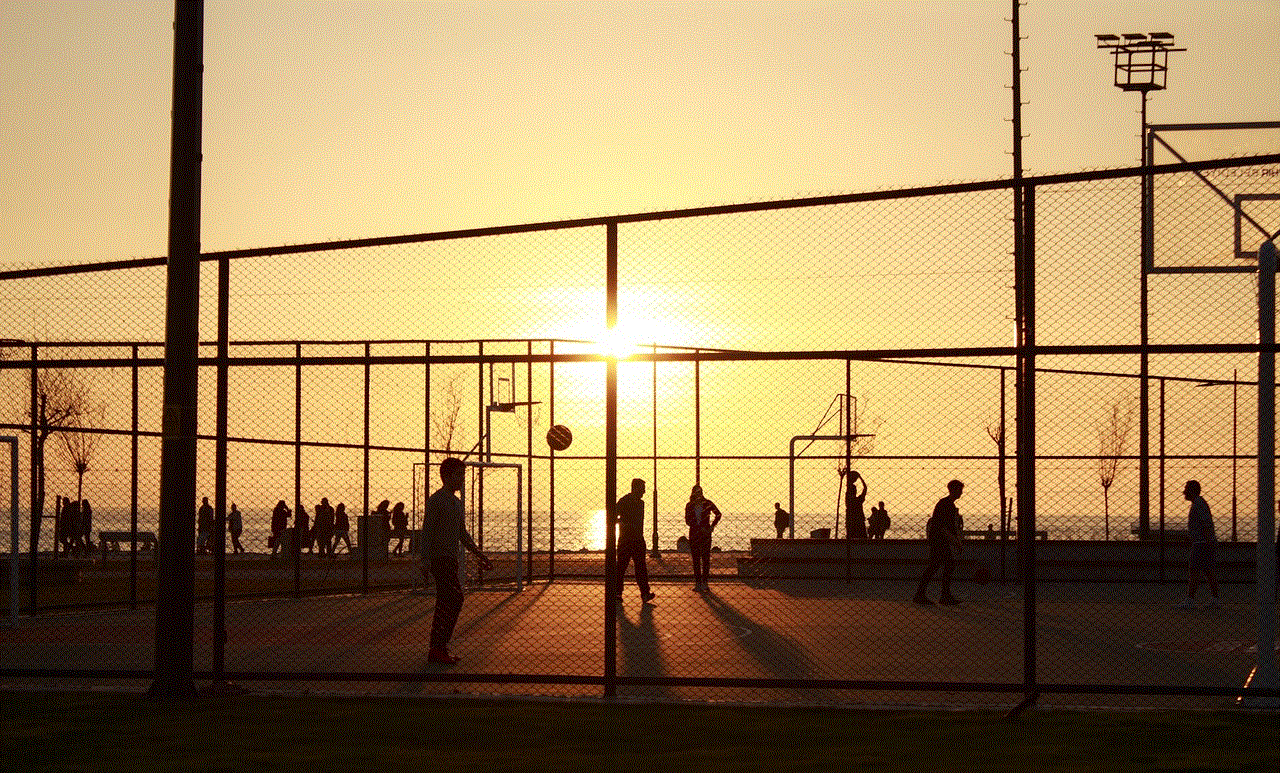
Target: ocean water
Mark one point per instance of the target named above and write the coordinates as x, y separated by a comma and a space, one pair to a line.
584, 529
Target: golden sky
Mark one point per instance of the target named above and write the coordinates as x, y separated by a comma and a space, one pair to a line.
328, 120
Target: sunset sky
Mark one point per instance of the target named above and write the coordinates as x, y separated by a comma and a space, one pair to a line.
328, 120
341, 120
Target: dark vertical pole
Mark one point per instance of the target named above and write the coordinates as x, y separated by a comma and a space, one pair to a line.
551, 466
133, 485
175, 579
654, 496
482, 450
1004, 440
1162, 483
364, 522
1144, 357
297, 470
697, 419
528, 458
426, 433
1026, 418
220, 480
1265, 675
848, 471
611, 468
37, 503
1235, 394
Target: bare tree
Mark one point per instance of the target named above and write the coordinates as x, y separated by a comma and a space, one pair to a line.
78, 444
445, 413
55, 399
996, 431
1113, 434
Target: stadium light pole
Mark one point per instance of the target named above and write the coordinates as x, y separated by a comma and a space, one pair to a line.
1141, 62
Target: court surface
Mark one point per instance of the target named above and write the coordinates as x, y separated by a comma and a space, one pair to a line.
1096, 634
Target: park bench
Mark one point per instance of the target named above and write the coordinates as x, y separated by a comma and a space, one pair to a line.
111, 540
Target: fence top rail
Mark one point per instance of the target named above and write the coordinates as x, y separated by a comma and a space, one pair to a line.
671, 214
900, 356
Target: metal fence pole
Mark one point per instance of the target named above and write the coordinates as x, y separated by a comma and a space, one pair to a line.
220, 480
611, 470
1264, 674
175, 580
133, 485
1026, 418
13, 527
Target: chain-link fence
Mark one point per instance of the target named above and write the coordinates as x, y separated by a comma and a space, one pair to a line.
765, 353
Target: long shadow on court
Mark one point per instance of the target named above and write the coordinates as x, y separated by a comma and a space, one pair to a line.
776, 653
642, 652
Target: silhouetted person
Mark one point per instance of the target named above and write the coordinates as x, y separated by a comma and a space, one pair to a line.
399, 526
61, 530
1203, 542
235, 525
443, 528
943, 534
341, 527
697, 516
878, 523
204, 526
279, 525
301, 529
629, 515
323, 527
855, 521
781, 520
71, 525
86, 524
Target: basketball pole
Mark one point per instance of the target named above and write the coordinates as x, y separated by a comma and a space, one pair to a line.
1264, 674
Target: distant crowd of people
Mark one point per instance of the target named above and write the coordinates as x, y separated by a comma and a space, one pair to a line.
73, 526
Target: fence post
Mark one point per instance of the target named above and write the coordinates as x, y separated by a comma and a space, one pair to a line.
14, 548
1264, 674
611, 469
1026, 418
133, 485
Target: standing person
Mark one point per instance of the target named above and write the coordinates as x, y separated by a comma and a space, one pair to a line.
443, 528
235, 525
629, 515
399, 526
71, 525
62, 529
301, 529
781, 520
1203, 540
204, 526
855, 520
279, 525
879, 522
323, 527
943, 533
341, 527
697, 516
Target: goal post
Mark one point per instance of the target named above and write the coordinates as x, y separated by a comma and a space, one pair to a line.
493, 502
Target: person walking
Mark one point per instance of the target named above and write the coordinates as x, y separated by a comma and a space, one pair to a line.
341, 528
698, 512
943, 534
1203, 540
443, 529
781, 520
629, 515
235, 525
399, 526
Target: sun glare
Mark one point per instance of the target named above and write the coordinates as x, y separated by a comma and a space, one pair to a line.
593, 532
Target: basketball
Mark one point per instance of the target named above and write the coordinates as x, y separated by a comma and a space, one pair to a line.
981, 575
559, 437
